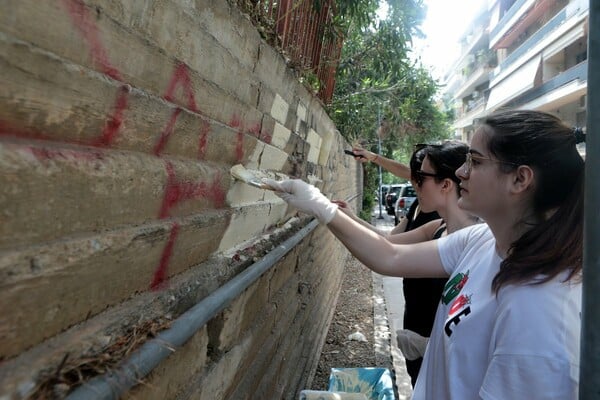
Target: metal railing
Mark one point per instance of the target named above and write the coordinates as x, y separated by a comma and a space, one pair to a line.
510, 13
305, 33
534, 39
577, 72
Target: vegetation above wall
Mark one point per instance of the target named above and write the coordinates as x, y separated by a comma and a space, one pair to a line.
378, 86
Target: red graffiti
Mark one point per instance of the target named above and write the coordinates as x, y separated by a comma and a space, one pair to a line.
260, 134
239, 145
204, 131
106, 139
255, 130
177, 191
167, 132
82, 19
160, 275
7, 130
85, 23
182, 76
111, 128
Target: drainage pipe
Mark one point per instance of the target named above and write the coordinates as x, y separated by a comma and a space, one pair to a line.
112, 385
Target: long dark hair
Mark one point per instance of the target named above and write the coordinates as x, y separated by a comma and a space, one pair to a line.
544, 143
446, 158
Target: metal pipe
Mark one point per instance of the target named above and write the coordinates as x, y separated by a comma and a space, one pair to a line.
589, 383
112, 385
381, 199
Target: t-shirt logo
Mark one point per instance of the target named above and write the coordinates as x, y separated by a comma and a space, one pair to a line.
459, 309
454, 286
459, 303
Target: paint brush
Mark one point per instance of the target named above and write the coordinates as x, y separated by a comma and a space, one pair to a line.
240, 173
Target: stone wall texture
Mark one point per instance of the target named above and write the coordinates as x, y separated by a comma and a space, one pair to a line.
119, 123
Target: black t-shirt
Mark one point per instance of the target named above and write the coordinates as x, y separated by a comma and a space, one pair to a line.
421, 295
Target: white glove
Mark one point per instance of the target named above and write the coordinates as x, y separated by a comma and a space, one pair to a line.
305, 198
411, 344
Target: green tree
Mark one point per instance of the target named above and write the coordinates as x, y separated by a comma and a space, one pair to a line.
380, 89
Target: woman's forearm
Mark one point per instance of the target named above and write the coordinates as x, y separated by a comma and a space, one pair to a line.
420, 260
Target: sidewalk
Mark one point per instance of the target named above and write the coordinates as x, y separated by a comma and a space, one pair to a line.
389, 312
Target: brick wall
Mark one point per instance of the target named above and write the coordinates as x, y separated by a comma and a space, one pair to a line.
119, 122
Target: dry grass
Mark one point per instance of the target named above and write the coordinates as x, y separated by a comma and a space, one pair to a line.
70, 373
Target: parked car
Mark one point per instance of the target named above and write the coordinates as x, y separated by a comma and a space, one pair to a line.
392, 195
403, 203
383, 191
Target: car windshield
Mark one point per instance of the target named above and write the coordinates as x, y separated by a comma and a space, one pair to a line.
410, 192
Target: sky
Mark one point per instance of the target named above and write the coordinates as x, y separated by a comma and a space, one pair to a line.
445, 22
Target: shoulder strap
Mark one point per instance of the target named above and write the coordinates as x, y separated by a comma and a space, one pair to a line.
438, 233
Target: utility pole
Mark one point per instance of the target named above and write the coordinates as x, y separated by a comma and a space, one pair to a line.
381, 199
589, 378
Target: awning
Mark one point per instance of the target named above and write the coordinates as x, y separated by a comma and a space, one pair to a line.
516, 83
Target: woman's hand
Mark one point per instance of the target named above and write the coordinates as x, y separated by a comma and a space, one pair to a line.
411, 344
305, 198
345, 208
363, 155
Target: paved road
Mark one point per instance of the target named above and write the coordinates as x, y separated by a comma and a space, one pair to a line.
390, 290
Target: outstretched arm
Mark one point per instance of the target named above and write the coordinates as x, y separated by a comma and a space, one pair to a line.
398, 236
419, 260
393, 166
345, 207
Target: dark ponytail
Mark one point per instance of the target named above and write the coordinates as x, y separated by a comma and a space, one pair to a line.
555, 244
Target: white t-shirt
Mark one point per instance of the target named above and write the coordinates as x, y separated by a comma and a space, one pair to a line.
521, 344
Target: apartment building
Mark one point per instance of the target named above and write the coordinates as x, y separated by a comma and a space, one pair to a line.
522, 54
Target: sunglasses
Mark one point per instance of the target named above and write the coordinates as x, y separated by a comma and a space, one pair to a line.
420, 177
421, 146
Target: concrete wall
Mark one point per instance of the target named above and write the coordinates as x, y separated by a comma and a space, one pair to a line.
119, 122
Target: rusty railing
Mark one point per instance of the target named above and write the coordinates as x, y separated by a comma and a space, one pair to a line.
304, 34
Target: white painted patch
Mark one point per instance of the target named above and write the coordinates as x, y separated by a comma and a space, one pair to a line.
267, 157
241, 194
301, 113
254, 158
250, 221
273, 158
314, 140
326, 146
279, 109
281, 136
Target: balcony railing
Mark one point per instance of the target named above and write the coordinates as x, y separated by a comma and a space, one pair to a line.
473, 104
534, 39
512, 11
579, 72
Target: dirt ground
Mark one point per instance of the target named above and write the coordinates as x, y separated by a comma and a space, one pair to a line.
353, 313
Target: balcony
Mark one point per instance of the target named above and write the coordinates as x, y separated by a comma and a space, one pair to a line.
473, 42
472, 110
578, 73
509, 20
565, 27
476, 73
534, 39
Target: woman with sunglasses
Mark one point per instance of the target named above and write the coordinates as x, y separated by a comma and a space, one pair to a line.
403, 171
432, 171
509, 322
